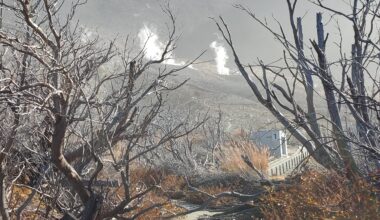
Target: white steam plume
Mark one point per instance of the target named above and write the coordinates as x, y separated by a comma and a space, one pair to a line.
153, 47
221, 58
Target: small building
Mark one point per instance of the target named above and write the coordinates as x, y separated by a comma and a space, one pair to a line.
275, 140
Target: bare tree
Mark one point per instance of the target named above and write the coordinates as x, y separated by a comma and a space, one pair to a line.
196, 151
350, 98
67, 101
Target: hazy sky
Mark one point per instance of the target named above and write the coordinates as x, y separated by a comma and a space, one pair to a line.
198, 32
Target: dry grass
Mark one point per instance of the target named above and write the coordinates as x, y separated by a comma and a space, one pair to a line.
232, 153
314, 195
142, 178
36, 209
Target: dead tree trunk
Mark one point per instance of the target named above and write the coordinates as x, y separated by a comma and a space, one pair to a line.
328, 86
3, 197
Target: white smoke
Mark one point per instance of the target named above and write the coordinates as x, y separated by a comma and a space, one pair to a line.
221, 58
153, 47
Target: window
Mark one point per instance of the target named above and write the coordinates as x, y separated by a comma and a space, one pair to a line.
274, 136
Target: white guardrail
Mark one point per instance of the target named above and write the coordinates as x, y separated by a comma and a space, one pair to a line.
285, 165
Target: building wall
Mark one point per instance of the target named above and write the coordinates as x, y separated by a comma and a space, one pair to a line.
275, 140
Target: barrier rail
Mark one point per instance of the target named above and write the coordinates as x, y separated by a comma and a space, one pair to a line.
284, 165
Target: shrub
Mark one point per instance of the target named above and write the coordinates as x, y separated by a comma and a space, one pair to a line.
143, 177
316, 195
232, 157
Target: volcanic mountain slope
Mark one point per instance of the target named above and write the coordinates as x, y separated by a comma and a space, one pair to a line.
206, 90
230, 94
